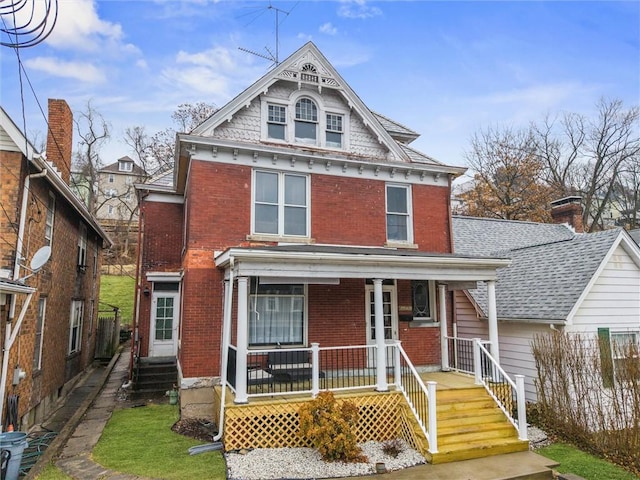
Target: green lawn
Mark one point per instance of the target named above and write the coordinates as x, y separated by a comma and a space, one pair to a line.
139, 441
119, 291
583, 464
51, 472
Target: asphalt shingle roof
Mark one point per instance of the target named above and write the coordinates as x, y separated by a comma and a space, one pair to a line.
635, 234
551, 265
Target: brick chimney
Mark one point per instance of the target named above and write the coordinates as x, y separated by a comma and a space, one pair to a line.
60, 137
568, 210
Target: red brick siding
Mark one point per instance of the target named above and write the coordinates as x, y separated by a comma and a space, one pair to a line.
60, 137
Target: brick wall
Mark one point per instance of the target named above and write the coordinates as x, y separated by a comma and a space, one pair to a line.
60, 137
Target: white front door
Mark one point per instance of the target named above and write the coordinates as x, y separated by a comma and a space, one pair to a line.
390, 314
164, 324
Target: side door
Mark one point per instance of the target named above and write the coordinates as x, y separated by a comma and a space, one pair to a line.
165, 317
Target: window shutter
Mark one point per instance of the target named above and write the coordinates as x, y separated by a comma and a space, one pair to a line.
606, 359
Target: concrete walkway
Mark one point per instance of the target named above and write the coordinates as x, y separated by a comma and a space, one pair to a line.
89, 406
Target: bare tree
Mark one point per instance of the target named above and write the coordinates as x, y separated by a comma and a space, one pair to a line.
155, 153
586, 156
93, 131
509, 180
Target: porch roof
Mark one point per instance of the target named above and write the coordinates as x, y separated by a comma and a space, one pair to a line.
325, 261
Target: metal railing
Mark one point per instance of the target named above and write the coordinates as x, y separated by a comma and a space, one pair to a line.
461, 354
421, 398
509, 395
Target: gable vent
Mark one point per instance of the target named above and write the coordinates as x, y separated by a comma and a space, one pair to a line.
309, 73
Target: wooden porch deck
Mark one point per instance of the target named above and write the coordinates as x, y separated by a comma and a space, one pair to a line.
470, 425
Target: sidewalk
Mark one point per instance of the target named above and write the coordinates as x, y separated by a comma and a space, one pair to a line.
80, 422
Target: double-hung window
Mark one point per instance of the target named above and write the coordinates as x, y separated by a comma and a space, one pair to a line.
37, 347
276, 314
277, 122
625, 347
399, 224
306, 124
51, 213
75, 327
334, 130
281, 204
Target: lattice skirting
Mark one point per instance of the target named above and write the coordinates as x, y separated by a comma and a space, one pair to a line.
275, 424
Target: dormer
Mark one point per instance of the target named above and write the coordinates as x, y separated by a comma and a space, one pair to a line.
125, 164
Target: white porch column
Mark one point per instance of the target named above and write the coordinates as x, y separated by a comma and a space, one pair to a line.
242, 335
381, 354
442, 316
493, 320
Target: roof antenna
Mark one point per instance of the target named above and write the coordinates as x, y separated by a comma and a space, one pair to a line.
270, 56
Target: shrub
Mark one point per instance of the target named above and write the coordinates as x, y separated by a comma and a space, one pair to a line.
328, 425
392, 447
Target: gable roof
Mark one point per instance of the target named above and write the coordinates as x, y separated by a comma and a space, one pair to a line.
328, 78
399, 132
551, 269
53, 177
115, 167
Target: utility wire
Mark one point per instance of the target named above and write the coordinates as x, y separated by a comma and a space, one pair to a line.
32, 31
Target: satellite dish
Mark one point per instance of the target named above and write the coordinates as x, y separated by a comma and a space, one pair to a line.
40, 258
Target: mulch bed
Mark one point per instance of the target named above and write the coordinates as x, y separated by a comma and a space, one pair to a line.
198, 428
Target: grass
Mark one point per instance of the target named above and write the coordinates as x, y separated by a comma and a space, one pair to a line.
51, 472
118, 291
583, 464
139, 441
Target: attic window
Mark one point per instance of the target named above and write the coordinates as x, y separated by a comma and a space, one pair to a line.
306, 121
125, 166
309, 73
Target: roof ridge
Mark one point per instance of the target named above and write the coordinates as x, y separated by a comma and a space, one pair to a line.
505, 220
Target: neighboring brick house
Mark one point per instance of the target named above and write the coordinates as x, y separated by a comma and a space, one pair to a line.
55, 340
321, 217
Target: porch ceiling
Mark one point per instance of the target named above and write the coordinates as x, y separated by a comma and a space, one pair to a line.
328, 262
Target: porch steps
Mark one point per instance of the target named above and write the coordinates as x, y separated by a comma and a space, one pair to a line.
156, 375
471, 425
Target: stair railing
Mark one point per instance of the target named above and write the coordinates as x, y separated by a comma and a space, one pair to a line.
420, 398
509, 395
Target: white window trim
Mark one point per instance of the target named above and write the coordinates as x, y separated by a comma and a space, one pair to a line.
408, 190
50, 225
305, 318
82, 246
281, 205
77, 306
122, 164
112, 178
290, 105
431, 290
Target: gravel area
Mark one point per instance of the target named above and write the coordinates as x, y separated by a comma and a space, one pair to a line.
537, 438
306, 463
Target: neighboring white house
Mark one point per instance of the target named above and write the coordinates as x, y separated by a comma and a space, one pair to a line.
558, 279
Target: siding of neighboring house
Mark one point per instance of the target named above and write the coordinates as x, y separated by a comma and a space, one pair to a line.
469, 326
614, 299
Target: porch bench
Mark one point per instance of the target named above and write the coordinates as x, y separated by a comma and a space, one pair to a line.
288, 366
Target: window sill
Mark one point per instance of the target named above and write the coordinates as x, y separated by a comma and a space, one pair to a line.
260, 237
424, 324
405, 245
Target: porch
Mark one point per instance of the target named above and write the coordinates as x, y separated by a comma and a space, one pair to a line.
469, 422
447, 416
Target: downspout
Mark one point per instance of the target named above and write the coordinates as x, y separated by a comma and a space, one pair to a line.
21, 228
226, 341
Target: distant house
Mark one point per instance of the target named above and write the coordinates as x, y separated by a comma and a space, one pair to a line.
116, 199
559, 278
53, 312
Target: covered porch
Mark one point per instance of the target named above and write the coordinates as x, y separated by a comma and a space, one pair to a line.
298, 364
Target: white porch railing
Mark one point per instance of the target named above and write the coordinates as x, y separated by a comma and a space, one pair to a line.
421, 398
509, 395
461, 354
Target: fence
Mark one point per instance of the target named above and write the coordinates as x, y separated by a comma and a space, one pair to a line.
107, 336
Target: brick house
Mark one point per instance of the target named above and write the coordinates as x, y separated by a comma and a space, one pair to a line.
52, 313
301, 245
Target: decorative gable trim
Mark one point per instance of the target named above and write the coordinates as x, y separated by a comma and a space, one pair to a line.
324, 76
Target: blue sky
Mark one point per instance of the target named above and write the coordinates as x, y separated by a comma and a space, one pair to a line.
445, 69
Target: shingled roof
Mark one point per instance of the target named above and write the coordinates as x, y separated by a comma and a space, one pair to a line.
551, 265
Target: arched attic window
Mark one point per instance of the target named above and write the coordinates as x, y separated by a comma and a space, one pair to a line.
306, 124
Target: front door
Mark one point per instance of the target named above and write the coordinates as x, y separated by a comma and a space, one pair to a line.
164, 324
390, 314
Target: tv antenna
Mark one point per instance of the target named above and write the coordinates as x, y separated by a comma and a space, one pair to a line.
270, 56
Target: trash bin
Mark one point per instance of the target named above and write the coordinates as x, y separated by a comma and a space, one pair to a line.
12, 444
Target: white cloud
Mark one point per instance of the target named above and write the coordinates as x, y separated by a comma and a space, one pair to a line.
218, 72
83, 71
357, 9
328, 28
142, 63
79, 27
